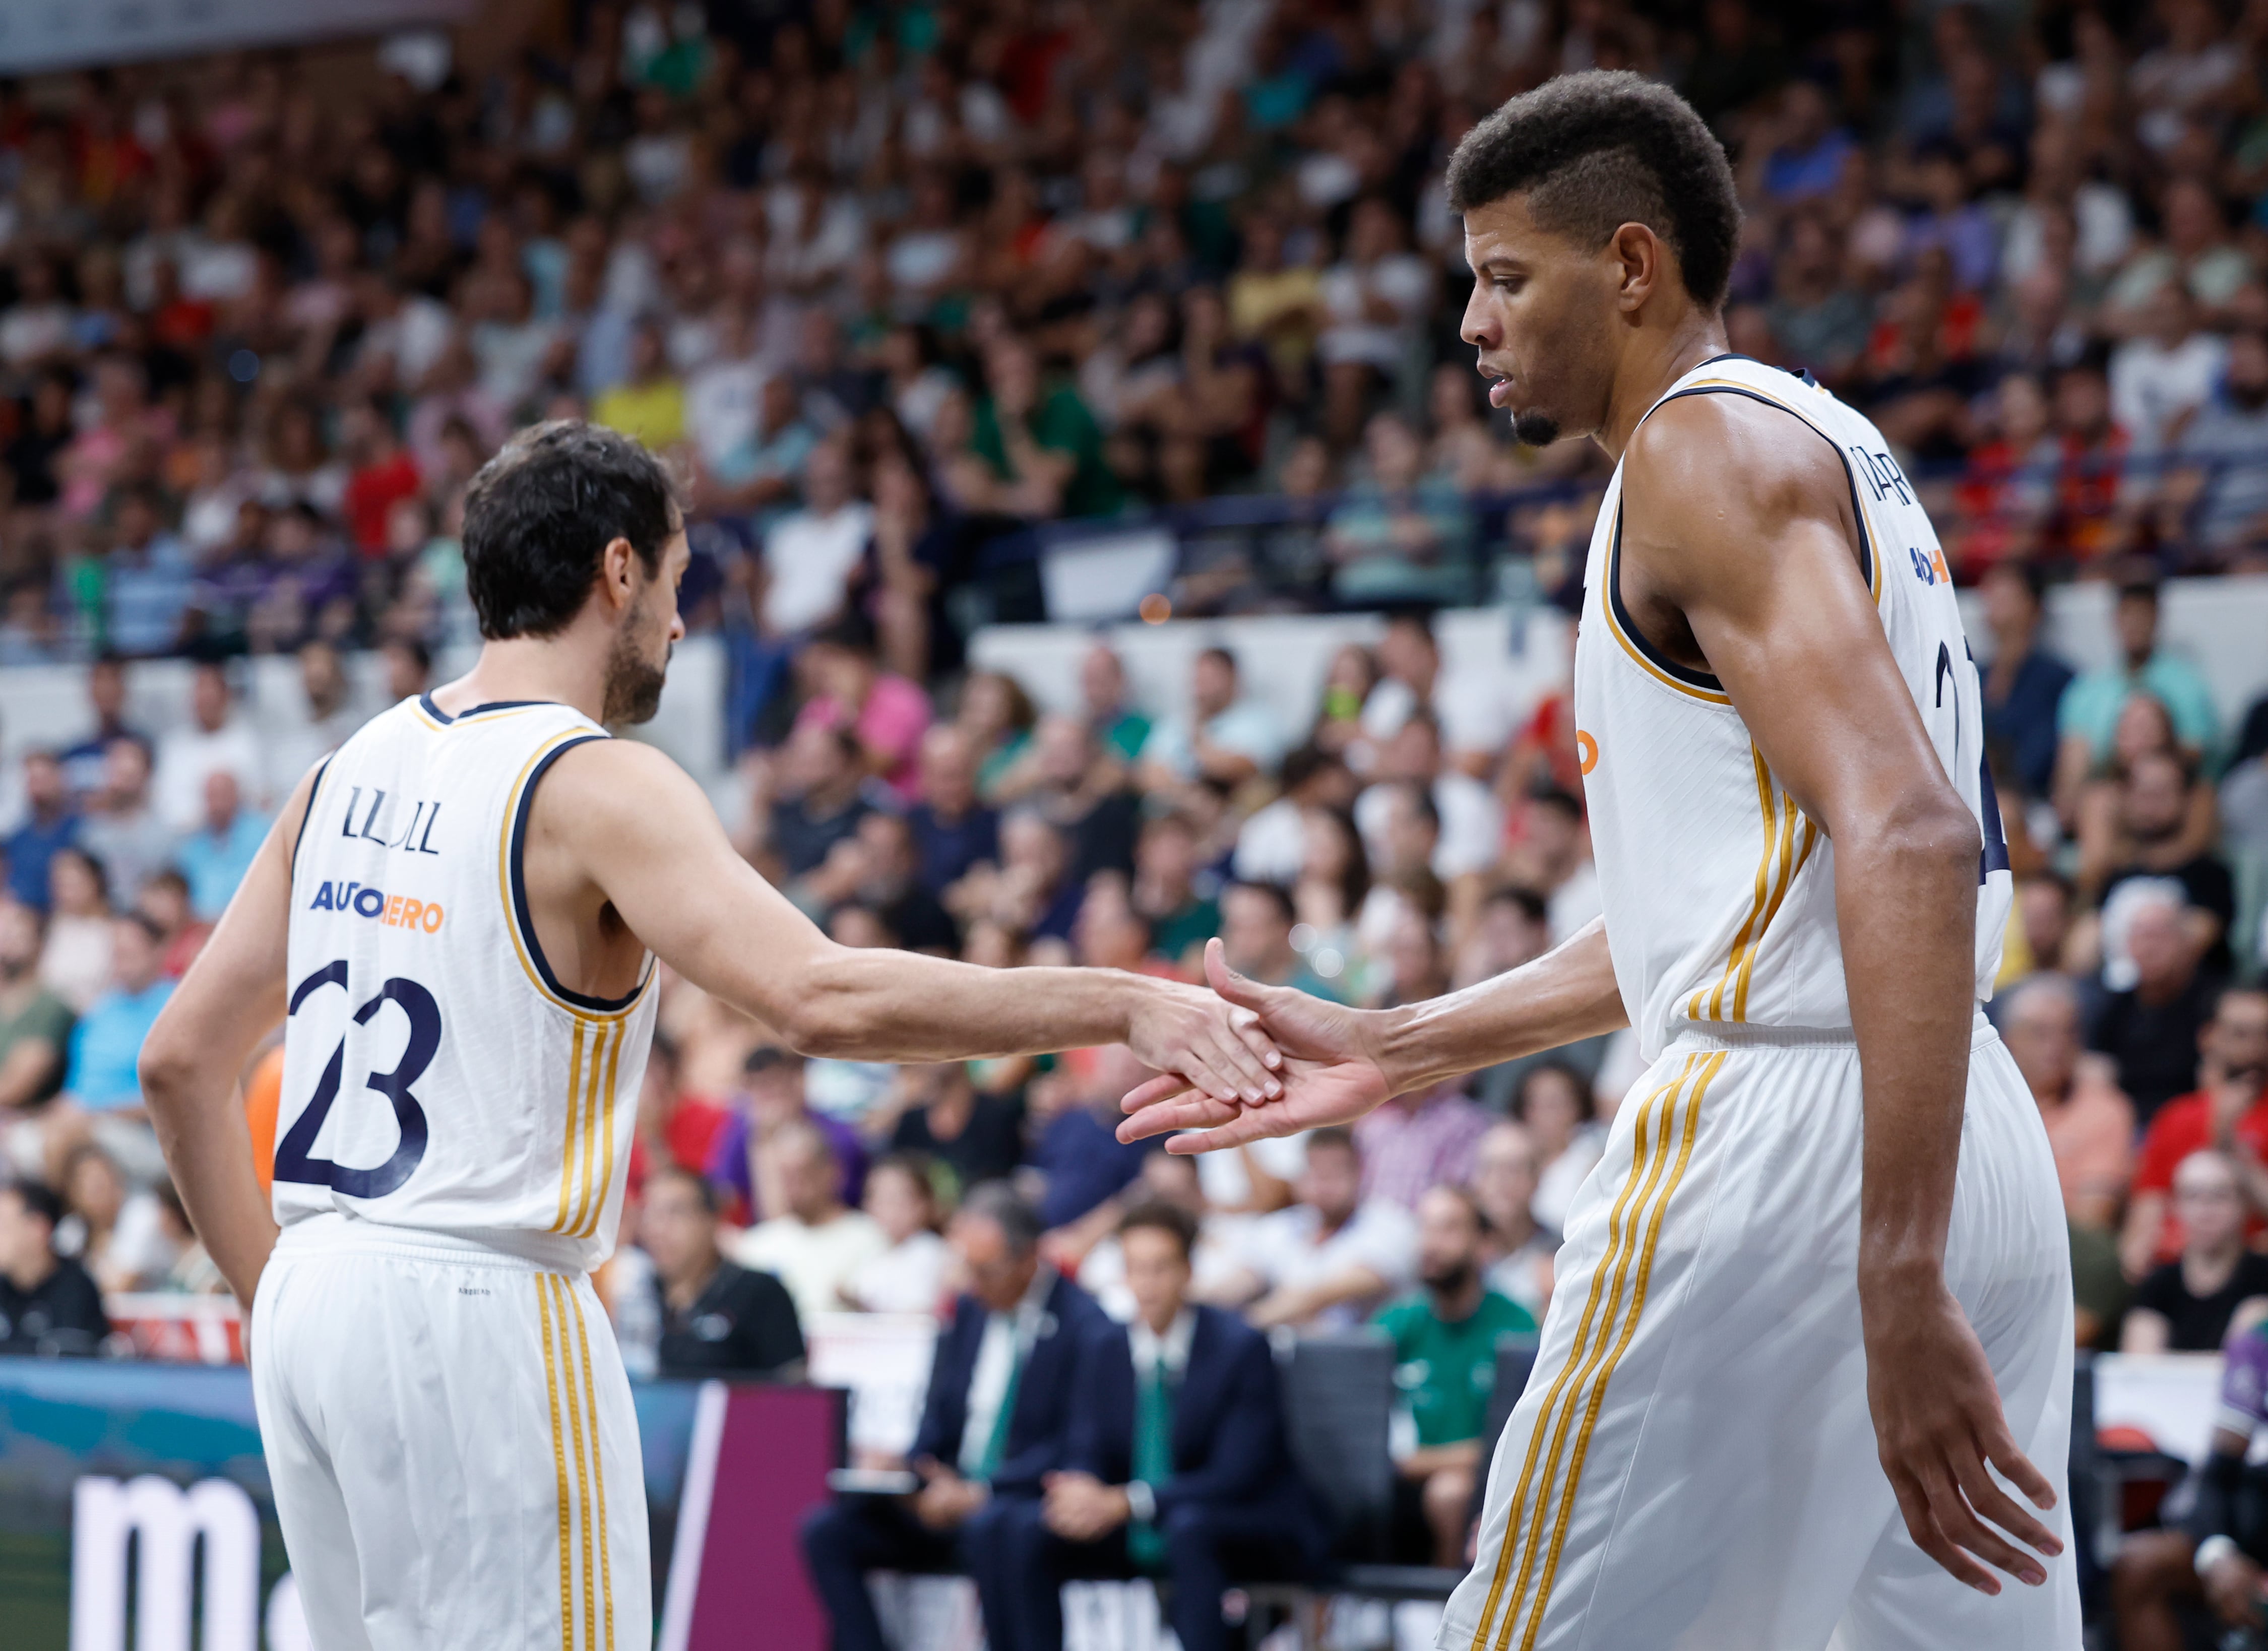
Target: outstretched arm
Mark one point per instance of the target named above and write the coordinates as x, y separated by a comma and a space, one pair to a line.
1757, 559
639, 827
1341, 1063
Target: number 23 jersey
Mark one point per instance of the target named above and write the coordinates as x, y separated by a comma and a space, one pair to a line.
437, 1074
1719, 892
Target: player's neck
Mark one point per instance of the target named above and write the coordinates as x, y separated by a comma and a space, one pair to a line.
563, 669
1656, 359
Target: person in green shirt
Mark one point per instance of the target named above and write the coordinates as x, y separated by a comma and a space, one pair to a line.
1165, 889
2087, 716
1042, 445
1445, 1340
35, 1025
1102, 689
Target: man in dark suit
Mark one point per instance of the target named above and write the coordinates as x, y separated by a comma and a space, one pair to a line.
994, 1427
1178, 1465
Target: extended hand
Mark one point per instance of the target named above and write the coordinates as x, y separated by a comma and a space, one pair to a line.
1937, 1423
1330, 1073
1201, 1041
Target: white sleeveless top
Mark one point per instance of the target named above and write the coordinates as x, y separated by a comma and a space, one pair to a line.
436, 1073
1719, 893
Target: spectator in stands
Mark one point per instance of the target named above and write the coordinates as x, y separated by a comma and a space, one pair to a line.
1081, 790
1332, 1257
812, 553
1551, 854
2089, 715
1182, 918
1224, 736
1177, 1466
1106, 706
2230, 1112
330, 718
120, 828
2222, 479
49, 1305
850, 689
85, 762
1256, 931
674, 1126
2024, 681
51, 823
2150, 1029
776, 1093
1472, 825
995, 1422
718, 1318
2214, 1556
908, 1277
107, 1044
166, 902
1079, 1168
216, 855
1418, 1141
1561, 1115
1272, 845
816, 1244
76, 963
1445, 1342
2188, 1305
972, 1136
2154, 832
215, 738
1518, 1249
824, 773
117, 1232
146, 578
2090, 1125
35, 1029
953, 831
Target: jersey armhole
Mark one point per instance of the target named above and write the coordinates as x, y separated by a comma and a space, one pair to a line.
314, 790
516, 884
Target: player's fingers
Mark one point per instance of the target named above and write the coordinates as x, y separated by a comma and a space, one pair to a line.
1249, 994
1252, 1124
2016, 1466
1985, 1495
1190, 1111
1164, 1087
1235, 1055
1246, 1026
1959, 1522
1914, 1507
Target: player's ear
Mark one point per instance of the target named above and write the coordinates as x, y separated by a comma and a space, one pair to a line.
1640, 260
616, 571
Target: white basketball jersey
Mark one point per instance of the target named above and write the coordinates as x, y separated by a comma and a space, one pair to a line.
1719, 893
436, 1074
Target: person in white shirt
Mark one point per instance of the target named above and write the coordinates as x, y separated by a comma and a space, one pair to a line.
2167, 370
1520, 1248
818, 1247
811, 554
1472, 823
330, 714
215, 738
908, 1277
1331, 1257
1223, 736
724, 395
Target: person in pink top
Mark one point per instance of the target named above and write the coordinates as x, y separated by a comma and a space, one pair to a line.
889, 713
2090, 1122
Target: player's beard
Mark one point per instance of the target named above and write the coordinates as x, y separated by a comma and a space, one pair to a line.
1538, 429
633, 691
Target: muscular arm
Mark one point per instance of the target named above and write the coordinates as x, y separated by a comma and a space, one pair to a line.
636, 827
231, 997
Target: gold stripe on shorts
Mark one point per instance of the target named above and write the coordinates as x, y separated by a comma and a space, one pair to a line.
559, 1464
575, 1439
598, 1470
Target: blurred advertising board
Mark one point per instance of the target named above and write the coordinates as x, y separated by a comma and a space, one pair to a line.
135, 1510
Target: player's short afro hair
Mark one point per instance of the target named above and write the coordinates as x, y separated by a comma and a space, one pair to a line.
1593, 151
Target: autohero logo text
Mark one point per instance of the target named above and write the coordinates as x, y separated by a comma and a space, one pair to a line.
394, 911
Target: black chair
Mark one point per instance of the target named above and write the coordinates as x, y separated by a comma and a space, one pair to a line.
1339, 1402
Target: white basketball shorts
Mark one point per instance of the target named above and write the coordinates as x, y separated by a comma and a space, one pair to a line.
1692, 1466
450, 1437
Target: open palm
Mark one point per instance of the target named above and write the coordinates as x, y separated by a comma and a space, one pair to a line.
1330, 1074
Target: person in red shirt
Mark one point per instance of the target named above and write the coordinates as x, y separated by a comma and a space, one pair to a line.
675, 1130
2230, 1111
384, 475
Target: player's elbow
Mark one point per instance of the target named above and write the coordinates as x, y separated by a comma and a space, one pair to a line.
166, 1068
1930, 830
827, 1019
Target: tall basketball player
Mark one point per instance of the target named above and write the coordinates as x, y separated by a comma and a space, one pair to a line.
1814, 1324
458, 916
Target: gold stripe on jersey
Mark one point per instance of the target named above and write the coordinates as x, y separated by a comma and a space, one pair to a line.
606, 1180
587, 1129
504, 883
1648, 1158
582, 1474
1786, 878
1709, 1070
1583, 1329
559, 1466
1771, 814
567, 1147
598, 1471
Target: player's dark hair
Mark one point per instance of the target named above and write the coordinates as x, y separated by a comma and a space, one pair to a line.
1000, 1203
1165, 1218
541, 514
1594, 151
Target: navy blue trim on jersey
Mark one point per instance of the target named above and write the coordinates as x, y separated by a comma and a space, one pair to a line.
1660, 660
519, 912
444, 719
1849, 476
292, 866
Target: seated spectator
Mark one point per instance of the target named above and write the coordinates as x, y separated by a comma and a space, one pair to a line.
2188, 1305
1398, 534
952, 829
116, 1232
329, 717
1518, 1249
1166, 863
824, 771
1445, 1340
50, 824
2152, 839
120, 828
1107, 705
2089, 715
1031, 892
107, 1044
761, 471
908, 1277
1329, 1258
75, 962
1418, 1141
811, 555
1272, 844
2024, 681
973, 1136
1561, 1115
1082, 791
1472, 825
2090, 1125
1036, 449
995, 717
650, 406
876, 868
2222, 455
995, 1424
742, 1158
1078, 1164
2150, 1029
1177, 1466
35, 1025
1223, 736
217, 855
675, 1127
215, 737
166, 902
718, 1319
2230, 1112
817, 1243
85, 762
49, 1305
888, 714
146, 577
2216, 1556
1256, 931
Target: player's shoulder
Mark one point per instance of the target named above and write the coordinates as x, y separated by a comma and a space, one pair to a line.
1733, 454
